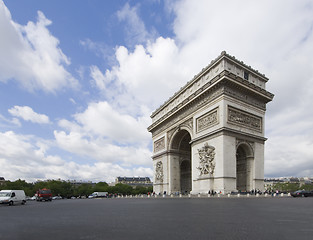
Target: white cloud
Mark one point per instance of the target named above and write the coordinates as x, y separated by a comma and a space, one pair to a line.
106, 135
31, 56
100, 119
147, 76
135, 28
14, 122
26, 157
273, 37
28, 114
98, 78
103, 151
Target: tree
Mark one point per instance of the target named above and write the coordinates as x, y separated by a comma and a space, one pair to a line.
57, 187
122, 189
19, 185
286, 187
101, 187
83, 190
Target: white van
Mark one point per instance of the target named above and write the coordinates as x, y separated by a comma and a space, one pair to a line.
12, 196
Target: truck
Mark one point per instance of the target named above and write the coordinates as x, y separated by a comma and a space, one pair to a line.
44, 194
11, 197
98, 195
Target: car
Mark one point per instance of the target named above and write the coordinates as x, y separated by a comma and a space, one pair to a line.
56, 197
302, 193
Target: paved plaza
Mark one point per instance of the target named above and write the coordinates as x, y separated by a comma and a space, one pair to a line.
160, 218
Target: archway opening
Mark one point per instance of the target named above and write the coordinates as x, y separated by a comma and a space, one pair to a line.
181, 143
241, 169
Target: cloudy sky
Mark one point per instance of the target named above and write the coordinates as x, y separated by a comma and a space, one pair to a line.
79, 79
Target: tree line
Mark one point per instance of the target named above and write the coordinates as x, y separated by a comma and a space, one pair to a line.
66, 189
292, 187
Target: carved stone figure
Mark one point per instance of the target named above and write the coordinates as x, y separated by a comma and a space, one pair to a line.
159, 171
206, 155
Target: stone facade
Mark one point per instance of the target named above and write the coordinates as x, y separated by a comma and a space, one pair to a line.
209, 136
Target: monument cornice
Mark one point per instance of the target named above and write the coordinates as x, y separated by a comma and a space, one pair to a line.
224, 83
207, 77
228, 131
223, 67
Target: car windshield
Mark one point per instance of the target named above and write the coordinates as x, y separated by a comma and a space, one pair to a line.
45, 191
5, 194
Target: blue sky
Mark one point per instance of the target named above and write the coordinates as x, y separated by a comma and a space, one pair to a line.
79, 79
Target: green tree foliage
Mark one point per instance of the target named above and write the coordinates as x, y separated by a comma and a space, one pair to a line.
18, 184
101, 187
83, 190
60, 188
308, 187
122, 189
292, 187
66, 189
142, 190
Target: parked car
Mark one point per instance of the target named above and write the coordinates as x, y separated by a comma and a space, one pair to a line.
302, 193
56, 197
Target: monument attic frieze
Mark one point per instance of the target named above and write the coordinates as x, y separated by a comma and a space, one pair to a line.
242, 76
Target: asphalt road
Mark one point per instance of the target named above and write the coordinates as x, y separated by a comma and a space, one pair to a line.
161, 218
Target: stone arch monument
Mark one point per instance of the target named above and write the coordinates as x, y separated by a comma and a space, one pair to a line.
209, 136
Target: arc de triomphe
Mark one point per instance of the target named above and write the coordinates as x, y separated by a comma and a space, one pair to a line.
210, 134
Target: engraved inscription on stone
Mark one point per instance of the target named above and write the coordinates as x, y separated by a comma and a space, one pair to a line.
159, 144
207, 120
159, 171
244, 119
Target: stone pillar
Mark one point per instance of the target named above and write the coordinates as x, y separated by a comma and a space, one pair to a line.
250, 175
174, 173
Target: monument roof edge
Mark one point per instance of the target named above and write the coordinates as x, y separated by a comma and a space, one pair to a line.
203, 71
189, 83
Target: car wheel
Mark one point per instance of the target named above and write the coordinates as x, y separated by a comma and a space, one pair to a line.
23, 202
11, 203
